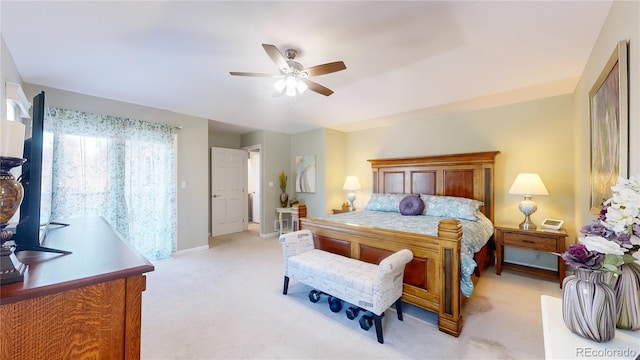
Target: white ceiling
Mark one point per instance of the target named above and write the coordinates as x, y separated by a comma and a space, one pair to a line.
404, 59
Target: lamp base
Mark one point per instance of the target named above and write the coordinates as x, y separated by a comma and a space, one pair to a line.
11, 269
527, 225
351, 197
527, 207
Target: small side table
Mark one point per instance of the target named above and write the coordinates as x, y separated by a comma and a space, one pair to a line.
541, 240
281, 211
344, 209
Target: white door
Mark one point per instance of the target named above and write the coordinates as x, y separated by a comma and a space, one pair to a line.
228, 191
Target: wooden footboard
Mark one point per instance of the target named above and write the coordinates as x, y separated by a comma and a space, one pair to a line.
431, 279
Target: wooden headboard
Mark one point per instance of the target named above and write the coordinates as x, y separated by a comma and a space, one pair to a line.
464, 175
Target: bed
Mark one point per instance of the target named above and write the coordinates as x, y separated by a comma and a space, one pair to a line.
433, 278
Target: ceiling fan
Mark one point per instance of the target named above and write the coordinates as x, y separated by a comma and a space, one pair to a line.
294, 78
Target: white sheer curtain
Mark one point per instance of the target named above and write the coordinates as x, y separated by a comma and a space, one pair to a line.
121, 169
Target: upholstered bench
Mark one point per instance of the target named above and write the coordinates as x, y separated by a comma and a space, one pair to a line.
372, 287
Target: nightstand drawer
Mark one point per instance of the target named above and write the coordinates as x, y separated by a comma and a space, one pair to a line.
532, 241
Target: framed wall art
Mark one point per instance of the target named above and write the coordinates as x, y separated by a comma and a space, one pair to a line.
609, 117
306, 173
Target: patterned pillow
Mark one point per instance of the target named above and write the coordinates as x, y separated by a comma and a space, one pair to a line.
451, 206
384, 202
411, 205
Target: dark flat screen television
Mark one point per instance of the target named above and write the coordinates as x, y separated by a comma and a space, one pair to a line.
36, 179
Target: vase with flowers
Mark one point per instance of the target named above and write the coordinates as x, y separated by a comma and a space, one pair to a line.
600, 294
284, 197
619, 223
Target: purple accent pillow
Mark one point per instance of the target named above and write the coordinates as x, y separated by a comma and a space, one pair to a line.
411, 205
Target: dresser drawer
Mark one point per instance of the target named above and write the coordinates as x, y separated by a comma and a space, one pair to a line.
532, 241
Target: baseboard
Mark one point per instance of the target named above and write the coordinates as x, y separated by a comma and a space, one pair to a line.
187, 251
273, 234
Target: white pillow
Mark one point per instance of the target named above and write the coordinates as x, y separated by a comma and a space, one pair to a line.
451, 206
385, 202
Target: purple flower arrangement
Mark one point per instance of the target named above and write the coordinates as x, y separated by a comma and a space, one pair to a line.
613, 238
578, 256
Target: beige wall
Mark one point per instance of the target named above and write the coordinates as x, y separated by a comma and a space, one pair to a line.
224, 140
328, 146
623, 23
310, 143
532, 136
274, 158
335, 170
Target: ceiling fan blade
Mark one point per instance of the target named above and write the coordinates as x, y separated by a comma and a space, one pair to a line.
313, 86
276, 56
252, 74
325, 68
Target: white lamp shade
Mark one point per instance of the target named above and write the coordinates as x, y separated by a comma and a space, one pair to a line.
528, 184
11, 139
351, 183
291, 84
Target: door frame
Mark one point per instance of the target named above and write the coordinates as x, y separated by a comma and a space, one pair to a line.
258, 147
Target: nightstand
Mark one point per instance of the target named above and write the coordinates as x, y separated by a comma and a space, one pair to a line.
344, 209
280, 211
339, 211
539, 239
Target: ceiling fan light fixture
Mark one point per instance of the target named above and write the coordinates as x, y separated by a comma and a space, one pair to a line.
301, 87
292, 83
280, 85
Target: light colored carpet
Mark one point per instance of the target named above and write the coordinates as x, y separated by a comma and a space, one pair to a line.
226, 303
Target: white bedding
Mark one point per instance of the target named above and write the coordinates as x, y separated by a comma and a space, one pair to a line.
475, 234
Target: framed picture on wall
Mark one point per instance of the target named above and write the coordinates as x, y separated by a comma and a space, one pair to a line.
609, 117
306, 173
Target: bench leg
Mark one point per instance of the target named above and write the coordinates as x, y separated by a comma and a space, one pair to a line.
399, 308
285, 287
377, 320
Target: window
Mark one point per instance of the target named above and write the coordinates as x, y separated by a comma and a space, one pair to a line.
120, 169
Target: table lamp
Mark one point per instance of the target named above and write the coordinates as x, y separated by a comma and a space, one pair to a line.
528, 184
351, 184
11, 194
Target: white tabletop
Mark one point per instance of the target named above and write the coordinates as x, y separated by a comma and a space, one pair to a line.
561, 343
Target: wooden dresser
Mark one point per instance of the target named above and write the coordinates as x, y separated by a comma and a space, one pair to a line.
83, 305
